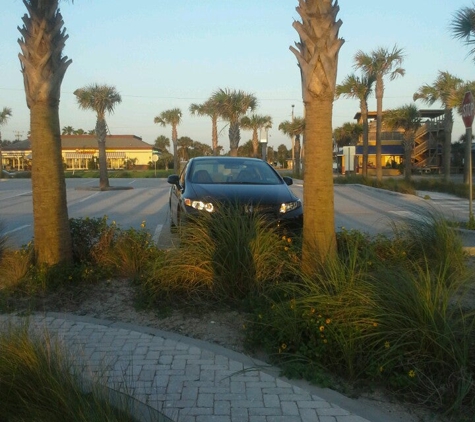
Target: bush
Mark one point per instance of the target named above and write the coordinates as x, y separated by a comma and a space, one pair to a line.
386, 311
227, 256
41, 381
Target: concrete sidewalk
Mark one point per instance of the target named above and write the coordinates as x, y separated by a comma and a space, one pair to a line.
189, 380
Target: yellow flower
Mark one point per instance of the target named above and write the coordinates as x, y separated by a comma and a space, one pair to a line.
325, 341
321, 328
312, 310
289, 240
283, 238
381, 368
375, 324
286, 248
327, 321
412, 373
260, 316
386, 345
292, 304
283, 346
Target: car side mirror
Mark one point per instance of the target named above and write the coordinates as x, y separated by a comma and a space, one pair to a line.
288, 180
174, 179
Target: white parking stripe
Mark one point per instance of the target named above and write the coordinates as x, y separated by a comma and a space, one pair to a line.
158, 230
18, 229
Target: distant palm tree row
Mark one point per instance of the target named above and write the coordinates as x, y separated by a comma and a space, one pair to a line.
447, 89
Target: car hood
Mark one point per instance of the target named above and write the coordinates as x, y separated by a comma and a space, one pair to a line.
256, 194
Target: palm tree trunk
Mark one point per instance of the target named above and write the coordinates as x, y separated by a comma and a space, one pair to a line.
448, 126
255, 143
408, 147
176, 159
52, 236
214, 135
364, 116
234, 138
101, 146
297, 157
319, 240
379, 119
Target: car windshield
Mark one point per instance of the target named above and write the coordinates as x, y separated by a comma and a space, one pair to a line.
238, 171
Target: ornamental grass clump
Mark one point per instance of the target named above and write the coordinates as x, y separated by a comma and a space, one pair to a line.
227, 256
40, 381
386, 311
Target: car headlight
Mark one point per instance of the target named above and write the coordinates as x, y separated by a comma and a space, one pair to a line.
289, 206
199, 205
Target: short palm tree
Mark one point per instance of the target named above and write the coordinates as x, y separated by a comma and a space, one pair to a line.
232, 105
443, 89
359, 88
173, 118
347, 134
209, 109
43, 66
67, 130
255, 122
463, 27
101, 99
317, 56
294, 129
4, 116
380, 63
406, 118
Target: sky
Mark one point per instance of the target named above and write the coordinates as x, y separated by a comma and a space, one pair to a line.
164, 54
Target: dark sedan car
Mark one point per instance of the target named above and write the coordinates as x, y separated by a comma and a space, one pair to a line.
207, 183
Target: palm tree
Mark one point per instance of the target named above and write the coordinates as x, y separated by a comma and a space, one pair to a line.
173, 118
380, 63
463, 26
43, 67
406, 118
294, 128
67, 130
231, 106
256, 122
359, 88
347, 134
101, 99
443, 89
208, 108
317, 56
185, 143
4, 116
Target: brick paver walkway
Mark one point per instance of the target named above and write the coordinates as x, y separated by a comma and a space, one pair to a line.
192, 381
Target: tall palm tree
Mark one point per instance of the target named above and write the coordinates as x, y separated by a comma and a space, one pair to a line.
255, 122
4, 116
101, 99
380, 63
209, 109
442, 89
360, 88
406, 118
173, 118
43, 67
231, 106
294, 129
317, 56
463, 26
